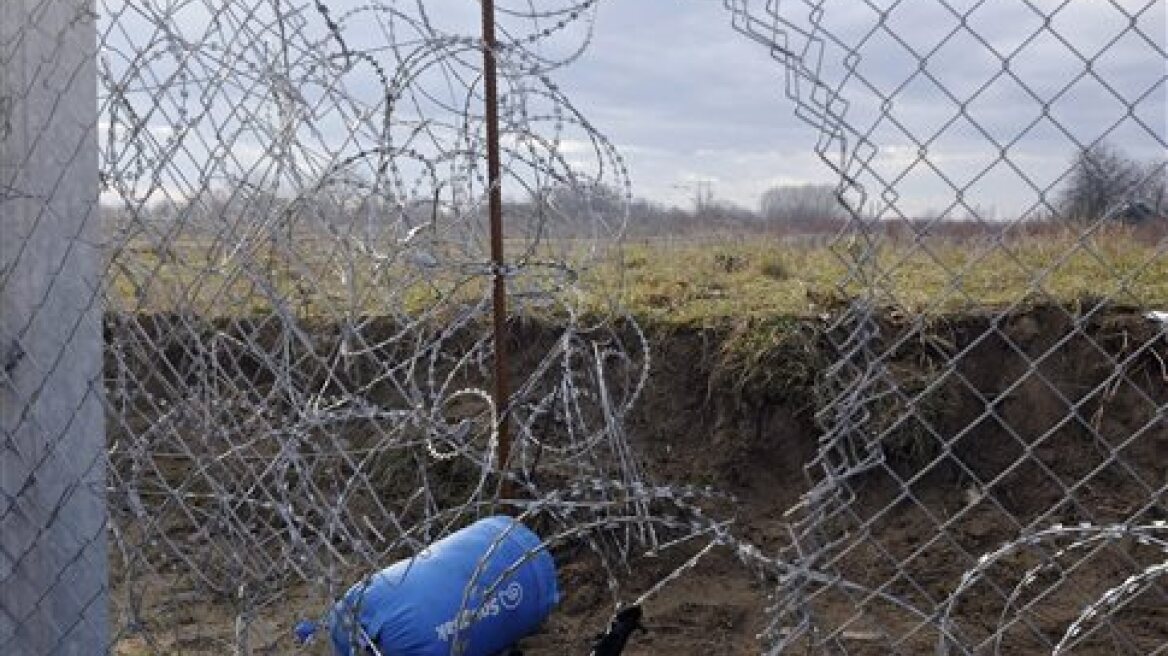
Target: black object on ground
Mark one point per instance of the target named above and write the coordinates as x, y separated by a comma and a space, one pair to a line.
623, 624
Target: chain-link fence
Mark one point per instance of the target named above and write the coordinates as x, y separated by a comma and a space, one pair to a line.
254, 237
292, 272
991, 477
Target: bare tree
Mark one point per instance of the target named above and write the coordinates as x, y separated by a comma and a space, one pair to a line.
1103, 182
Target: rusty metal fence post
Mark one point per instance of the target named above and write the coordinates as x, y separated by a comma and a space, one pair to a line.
498, 262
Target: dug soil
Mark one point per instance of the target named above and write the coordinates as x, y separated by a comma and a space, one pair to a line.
1009, 425
976, 430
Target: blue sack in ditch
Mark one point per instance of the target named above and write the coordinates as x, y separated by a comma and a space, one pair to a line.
415, 607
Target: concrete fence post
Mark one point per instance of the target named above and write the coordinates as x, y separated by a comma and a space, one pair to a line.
53, 543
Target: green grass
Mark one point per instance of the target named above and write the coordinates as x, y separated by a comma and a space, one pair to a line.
682, 282
691, 282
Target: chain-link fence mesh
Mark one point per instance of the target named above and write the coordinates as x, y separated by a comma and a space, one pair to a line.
991, 478
298, 343
281, 305
295, 279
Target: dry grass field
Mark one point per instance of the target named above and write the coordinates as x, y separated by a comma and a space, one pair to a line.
690, 281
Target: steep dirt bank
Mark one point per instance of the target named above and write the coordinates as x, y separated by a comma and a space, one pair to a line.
1051, 415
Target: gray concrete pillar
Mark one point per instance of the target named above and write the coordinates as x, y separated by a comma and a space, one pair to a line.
53, 544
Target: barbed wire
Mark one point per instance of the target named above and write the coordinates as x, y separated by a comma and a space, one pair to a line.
291, 276
298, 341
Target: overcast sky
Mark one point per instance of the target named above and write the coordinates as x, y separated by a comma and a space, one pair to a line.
982, 100
688, 98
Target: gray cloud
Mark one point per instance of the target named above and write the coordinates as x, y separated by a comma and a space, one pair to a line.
691, 98
688, 98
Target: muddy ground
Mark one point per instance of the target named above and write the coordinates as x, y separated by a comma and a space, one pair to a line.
1053, 415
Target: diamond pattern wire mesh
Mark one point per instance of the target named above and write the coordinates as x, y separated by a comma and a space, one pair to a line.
292, 276
289, 272
954, 100
298, 341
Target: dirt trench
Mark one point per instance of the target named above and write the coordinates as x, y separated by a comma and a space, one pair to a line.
1052, 415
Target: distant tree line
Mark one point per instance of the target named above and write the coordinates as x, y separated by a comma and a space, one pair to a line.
806, 203
1102, 183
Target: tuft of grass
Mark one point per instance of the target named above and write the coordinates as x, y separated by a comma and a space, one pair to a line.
774, 268
769, 358
729, 262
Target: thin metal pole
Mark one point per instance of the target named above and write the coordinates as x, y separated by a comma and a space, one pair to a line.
494, 179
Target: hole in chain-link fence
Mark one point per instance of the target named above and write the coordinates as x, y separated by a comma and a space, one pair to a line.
246, 353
